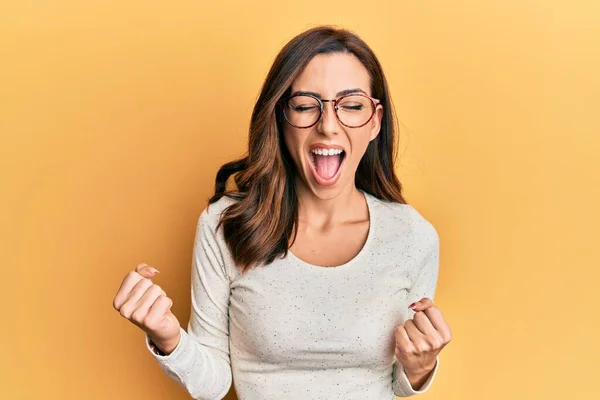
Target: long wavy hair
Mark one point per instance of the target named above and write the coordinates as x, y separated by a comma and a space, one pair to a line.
263, 223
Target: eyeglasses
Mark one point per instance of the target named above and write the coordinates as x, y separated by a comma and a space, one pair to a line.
352, 110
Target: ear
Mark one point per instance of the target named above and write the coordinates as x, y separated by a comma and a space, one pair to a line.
376, 122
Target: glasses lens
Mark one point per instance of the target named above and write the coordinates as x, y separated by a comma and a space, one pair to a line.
302, 111
355, 111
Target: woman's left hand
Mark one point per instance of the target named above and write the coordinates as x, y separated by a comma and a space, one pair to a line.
420, 339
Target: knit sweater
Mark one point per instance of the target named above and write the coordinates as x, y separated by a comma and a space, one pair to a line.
292, 330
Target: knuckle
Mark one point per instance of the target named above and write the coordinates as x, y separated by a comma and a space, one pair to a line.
160, 290
423, 347
411, 350
156, 287
132, 274
125, 312
434, 312
138, 316
435, 343
403, 350
159, 301
146, 283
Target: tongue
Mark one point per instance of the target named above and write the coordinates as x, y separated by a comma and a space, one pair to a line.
327, 166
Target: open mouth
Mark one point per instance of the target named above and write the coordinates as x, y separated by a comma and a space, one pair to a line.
326, 164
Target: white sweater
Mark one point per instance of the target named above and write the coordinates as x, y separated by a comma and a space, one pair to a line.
292, 330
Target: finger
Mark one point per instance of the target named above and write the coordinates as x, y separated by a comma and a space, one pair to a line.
158, 311
139, 290
144, 304
132, 279
436, 318
422, 304
413, 332
423, 324
146, 271
132, 303
402, 339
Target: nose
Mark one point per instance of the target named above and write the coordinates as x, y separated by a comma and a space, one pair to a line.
328, 123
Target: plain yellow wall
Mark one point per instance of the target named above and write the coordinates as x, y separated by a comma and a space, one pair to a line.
115, 116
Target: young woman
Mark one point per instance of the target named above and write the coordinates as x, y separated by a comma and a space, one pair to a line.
302, 276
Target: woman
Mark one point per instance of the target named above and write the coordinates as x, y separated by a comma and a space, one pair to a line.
303, 275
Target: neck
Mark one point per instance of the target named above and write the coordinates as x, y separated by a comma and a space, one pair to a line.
349, 204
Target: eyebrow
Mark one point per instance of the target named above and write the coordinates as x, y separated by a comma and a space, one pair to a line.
338, 94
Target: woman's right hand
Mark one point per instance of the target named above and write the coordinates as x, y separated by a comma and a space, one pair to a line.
147, 306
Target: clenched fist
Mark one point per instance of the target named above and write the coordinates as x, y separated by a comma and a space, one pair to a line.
147, 306
420, 339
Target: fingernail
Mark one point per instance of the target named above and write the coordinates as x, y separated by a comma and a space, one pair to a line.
412, 305
153, 270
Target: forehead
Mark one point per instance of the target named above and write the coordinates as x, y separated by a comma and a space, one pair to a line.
328, 74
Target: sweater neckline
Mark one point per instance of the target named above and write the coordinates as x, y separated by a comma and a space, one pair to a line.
361, 253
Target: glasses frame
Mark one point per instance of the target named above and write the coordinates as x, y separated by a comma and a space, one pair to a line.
334, 103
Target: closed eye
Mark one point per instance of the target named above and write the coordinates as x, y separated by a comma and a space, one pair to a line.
305, 108
356, 107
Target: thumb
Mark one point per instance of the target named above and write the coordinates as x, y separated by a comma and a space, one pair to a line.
421, 305
146, 271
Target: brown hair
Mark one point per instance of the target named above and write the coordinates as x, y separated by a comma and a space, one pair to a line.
258, 228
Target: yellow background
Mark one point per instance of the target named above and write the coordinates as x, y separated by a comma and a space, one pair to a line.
115, 116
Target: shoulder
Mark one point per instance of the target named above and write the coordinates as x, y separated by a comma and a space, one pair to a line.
405, 221
211, 215
210, 241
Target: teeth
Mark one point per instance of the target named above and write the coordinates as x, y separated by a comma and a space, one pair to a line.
327, 152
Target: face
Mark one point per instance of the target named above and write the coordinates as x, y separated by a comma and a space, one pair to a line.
327, 154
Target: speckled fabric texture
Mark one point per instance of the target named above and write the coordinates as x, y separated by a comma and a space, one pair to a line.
292, 330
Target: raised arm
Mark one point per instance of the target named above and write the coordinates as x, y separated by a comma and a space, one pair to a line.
200, 362
423, 286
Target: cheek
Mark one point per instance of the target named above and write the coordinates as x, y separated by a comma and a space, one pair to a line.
359, 141
293, 143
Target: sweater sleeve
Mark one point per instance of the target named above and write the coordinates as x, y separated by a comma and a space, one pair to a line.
200, 362
424, 286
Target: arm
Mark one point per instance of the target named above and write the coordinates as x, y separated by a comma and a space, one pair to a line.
200, 361
423, 286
